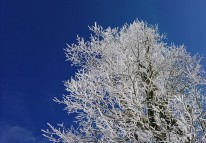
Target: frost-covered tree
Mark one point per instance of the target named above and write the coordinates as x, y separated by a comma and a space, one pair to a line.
133, 87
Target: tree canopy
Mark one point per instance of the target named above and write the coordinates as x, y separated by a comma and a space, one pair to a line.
133, 87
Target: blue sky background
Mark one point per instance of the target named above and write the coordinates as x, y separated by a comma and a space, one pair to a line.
32, 61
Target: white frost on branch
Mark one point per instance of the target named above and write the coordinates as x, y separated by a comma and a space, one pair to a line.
132, 87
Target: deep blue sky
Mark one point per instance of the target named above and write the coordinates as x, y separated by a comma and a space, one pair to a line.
32, 61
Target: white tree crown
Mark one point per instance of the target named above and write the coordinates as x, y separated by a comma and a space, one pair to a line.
132, 87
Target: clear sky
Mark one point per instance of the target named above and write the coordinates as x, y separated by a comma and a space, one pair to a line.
32, 61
